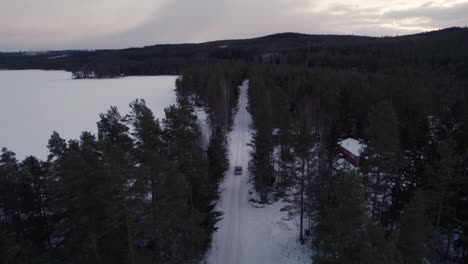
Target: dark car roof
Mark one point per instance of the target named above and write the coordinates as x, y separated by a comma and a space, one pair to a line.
238, 167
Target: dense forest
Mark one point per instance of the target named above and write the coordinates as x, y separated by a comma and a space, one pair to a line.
114, 198
407, 202
415, 129
142, 190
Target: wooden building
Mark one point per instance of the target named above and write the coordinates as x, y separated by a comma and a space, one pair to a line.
351, 150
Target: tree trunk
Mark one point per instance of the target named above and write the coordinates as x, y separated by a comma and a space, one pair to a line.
309, 206
191, 198
449, 242
96, 251
153, 197
129, 230
42, 213
153, 205
374, 200
384, 196
439, 211
5, 213
302, 202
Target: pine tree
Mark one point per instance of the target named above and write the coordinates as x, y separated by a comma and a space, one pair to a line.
262, 155
34, 181
440, 176
382, 155
146, 129
181, 141
117, 147
156, 172
441, 192
173, 218
57, 146
414, 231
12, 227
217, 155
90, 218
373, 247
303, 151
181, 136
340, 221
8, 191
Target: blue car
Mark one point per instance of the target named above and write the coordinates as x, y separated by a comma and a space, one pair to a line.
238, 170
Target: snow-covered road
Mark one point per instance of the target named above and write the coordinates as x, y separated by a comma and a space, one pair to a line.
247, 234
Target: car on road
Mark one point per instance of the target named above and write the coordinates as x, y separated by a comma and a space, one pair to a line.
238, 170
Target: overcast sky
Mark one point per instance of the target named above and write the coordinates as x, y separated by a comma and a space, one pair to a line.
89, 24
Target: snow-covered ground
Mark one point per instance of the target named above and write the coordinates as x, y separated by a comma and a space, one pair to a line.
34, 103
204, 126
248, 233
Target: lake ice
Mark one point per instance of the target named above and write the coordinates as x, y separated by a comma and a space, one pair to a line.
33, 103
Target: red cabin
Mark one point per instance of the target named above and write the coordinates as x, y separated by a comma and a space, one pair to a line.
351, 150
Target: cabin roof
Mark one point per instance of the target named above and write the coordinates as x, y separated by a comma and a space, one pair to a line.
276, 132
353, 146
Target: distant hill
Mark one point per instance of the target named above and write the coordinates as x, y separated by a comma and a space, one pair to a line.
333, 51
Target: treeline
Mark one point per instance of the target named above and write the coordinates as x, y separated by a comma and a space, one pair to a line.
140, 191
443, 49
414, 122
102, 63
404, 97
214, 88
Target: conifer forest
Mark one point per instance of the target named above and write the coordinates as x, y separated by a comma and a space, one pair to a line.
144, 189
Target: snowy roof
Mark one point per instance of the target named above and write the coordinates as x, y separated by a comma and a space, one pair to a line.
352, 145
276, 132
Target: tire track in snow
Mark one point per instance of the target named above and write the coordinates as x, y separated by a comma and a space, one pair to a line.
247, 234
241, 197
228, 240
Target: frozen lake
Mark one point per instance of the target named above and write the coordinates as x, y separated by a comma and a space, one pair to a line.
33, 103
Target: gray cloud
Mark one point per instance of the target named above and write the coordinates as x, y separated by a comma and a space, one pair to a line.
175, 21
430, 15
203, 20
